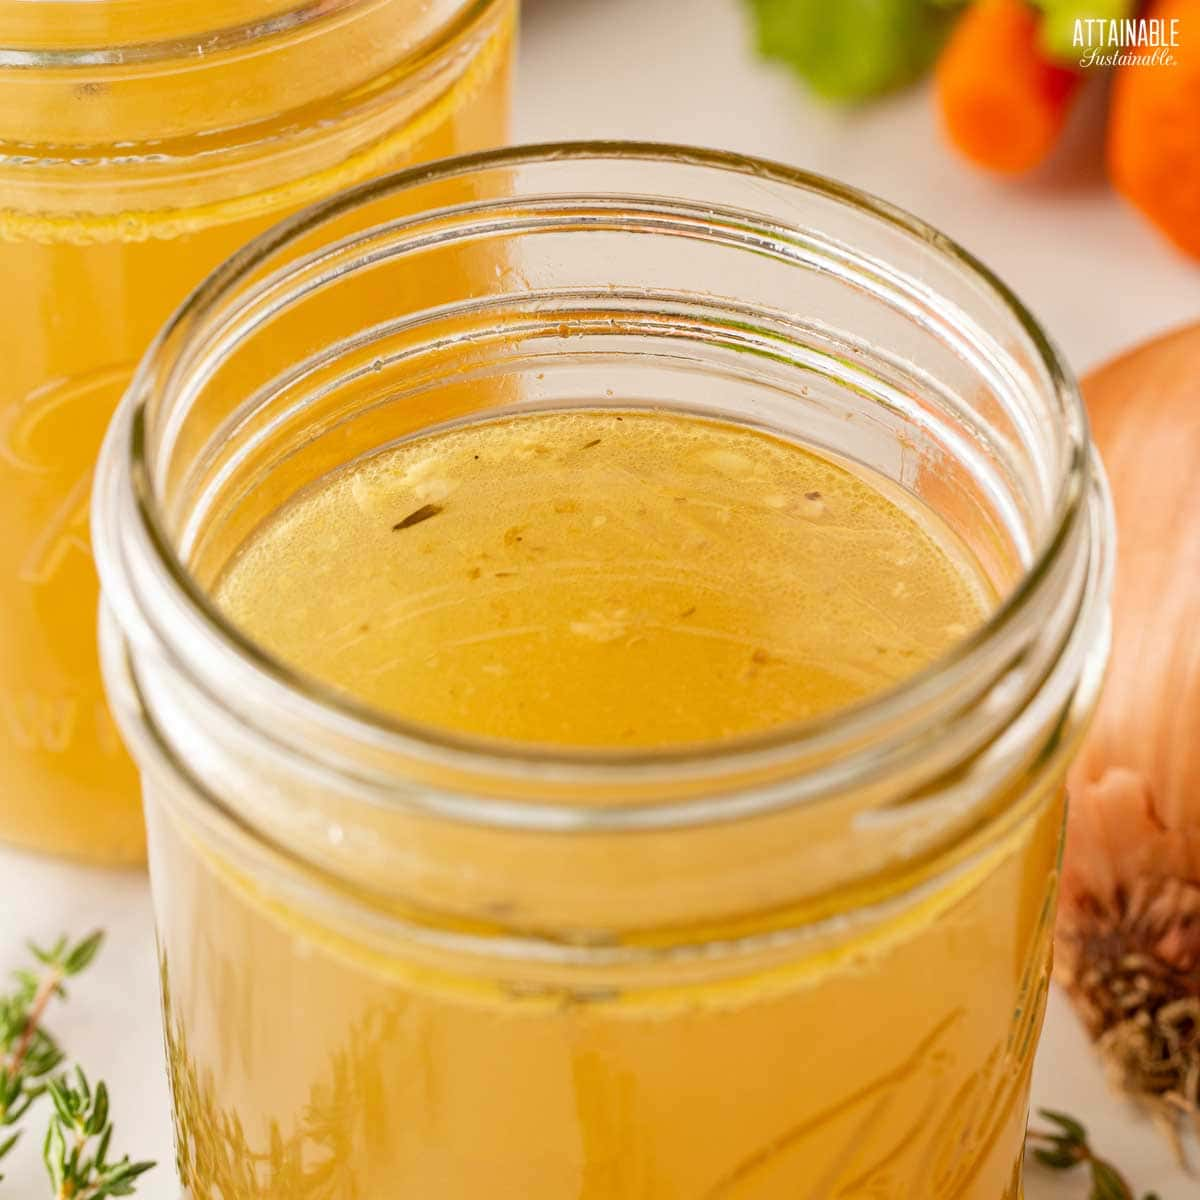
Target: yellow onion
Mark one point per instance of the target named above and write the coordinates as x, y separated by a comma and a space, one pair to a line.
1128, 935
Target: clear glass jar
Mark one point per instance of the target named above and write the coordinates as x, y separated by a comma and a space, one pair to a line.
398, 962
142, 142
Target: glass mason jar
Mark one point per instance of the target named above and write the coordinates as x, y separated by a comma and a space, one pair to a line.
397, 961
142, 142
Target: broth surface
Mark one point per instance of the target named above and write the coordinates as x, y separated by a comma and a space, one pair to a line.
604, 578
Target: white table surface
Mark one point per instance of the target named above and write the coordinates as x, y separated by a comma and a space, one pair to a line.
683, 70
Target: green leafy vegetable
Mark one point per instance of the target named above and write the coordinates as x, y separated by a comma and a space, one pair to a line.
851, 50
1058, 23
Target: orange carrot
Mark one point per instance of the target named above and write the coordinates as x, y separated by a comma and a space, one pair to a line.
1003, 102
1154, 130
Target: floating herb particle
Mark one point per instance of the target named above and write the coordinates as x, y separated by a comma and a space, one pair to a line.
688, 612
415, 518
589, 445
812, 495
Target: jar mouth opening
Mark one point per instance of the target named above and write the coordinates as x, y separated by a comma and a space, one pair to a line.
291, 18
818, 739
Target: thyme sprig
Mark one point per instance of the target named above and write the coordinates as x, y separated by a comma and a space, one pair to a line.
28, 1052
1067, 1146
76, 1146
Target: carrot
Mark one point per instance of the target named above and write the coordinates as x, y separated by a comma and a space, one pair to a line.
1154, 131
1003, 102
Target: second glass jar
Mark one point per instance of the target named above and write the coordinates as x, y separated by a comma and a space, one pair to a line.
140, 145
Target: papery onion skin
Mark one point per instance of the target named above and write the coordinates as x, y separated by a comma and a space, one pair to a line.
1145, 412
1128, 934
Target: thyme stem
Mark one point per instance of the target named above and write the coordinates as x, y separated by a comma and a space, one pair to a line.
49, 985
1067, 1146
77, 1139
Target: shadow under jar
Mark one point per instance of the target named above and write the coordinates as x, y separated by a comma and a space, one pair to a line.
141, 143
410, 958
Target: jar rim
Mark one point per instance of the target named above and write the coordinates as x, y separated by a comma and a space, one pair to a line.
292, 17
1080, 488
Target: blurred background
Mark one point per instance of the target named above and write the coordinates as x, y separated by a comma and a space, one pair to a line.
1092, 269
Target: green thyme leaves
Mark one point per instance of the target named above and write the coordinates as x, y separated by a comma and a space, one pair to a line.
76, 1146
1066, 1145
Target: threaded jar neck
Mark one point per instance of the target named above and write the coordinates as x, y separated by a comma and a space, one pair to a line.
514, 280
